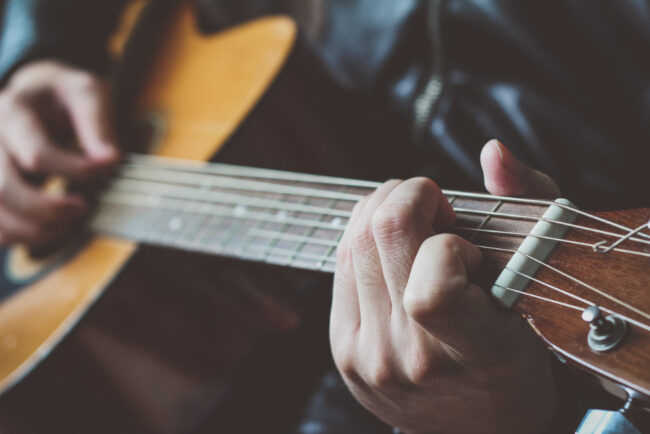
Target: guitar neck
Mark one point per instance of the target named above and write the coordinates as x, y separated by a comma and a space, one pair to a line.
277, 217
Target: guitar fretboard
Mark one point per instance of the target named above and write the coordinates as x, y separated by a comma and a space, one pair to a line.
264, 215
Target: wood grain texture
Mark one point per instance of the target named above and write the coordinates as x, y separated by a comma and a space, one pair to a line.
204, 86
625, 276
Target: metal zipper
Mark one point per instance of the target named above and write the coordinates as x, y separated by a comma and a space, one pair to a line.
425, 102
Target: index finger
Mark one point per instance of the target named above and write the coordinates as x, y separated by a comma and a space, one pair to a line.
87, 102
408, 215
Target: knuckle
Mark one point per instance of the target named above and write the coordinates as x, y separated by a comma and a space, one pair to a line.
380, 374
390, 220
419, 369
31, 158
361, 238
424, 187
343, 353
11, 101
449, 243
425, 304
84, 82
344, 361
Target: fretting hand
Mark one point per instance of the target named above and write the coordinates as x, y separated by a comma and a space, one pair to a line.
416, 341
43, 104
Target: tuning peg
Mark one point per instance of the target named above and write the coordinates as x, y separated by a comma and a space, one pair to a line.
606, 332
610, 422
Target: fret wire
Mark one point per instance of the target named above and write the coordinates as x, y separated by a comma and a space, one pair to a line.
136, 200
110, 196
328, 256
283, 251
331, 204
330, 251
185, 165
230, 232
237, 199
279, 250
486, 196
283, 229
559, 222
160, 226
486, 219
192, 229
221, 238
174, 234
215, 231
248, 239
199, 227
169, 233
290, 237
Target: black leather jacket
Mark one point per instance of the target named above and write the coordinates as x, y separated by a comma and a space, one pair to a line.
565, 84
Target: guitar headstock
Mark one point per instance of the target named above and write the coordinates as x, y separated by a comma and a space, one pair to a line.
598, 263
581, 279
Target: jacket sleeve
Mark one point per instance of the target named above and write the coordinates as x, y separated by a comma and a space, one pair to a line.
74, 31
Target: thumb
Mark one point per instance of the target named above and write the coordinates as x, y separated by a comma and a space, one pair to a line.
504, 175
455, 312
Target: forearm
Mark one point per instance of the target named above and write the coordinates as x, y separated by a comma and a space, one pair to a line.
74, 31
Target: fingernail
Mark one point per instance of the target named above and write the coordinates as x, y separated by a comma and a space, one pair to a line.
511, 162
499, 147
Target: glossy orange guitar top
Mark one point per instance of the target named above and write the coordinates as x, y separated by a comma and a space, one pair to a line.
198, 90
201, 89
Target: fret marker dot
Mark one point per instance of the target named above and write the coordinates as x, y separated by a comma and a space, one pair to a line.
336, 221
239, 210
281, 215
174, 223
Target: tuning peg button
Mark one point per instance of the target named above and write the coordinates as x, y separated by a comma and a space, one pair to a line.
605, 333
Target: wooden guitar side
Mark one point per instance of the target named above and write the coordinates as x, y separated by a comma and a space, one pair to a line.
207, 85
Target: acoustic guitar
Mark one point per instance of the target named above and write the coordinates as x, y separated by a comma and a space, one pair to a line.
581, 279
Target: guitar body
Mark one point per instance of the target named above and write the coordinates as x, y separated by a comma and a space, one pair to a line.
247, 95
200, 88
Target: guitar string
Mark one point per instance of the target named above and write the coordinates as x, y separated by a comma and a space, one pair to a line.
568, 276
583, 300
311, 224
529, 201
550, 300
281, 188
543, 237
288, 237
142, 160
288, 256
182, 193
308, 223
303, 255
359, 197
149, 201
226, 182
